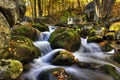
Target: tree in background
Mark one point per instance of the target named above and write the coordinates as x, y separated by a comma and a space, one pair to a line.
103, 9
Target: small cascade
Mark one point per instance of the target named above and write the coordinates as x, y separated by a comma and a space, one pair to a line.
44, 36
43, 46
47, 58
52, 28
89, 47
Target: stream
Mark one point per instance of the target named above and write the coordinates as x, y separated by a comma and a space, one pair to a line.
88, 53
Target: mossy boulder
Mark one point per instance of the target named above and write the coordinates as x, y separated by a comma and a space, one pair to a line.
12, 10
105, 46
65, 38
28, 32
115, 26
92, 33
110, 36
41, 27
54, 74
96, 39
10, 69
110, 70
64, 58
22, 49
84, 33
4, 33
116, 57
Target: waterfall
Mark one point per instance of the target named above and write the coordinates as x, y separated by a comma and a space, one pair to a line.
43, 46
52, 28
44, 36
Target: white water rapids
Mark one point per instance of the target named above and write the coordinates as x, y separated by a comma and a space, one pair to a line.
88, 53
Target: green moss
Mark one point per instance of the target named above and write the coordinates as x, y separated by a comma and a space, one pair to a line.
65, 17
92, 33
107, 47
96, 39
41, 27
28, 32
115, 26
116, 57
65, 38
22, 49
10, 69
64, 58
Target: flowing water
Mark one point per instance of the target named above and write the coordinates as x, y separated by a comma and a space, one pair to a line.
88, 53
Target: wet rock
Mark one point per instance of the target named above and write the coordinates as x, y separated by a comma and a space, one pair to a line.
22, 49
55, 74
10, 69
41, 27
110, 36
92, 33
12, 10
110, 70
26, 19
63, 58
28, 32
105, 46
115, 26
85, 65
4, 33
85, 29
96, 39
65, 38
21, 8
116, 57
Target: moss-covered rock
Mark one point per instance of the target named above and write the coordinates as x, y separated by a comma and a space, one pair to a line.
54, 74
96, 39
115, 26
63, 58
28, 32
41, 27
110, 70
105, 46
10, 69
86, 65
22, 49
4, 33
84, 33
92, 33
12, 10
65, 38
110, 36
116, 57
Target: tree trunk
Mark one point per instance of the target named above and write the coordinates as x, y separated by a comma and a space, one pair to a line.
39, 8
35, 15
79, 6
103, 9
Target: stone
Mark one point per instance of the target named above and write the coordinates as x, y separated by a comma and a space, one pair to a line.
55, 74
10, 69
4, 33
25, 31
22, 49
65, 38
12, 10
63, 58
